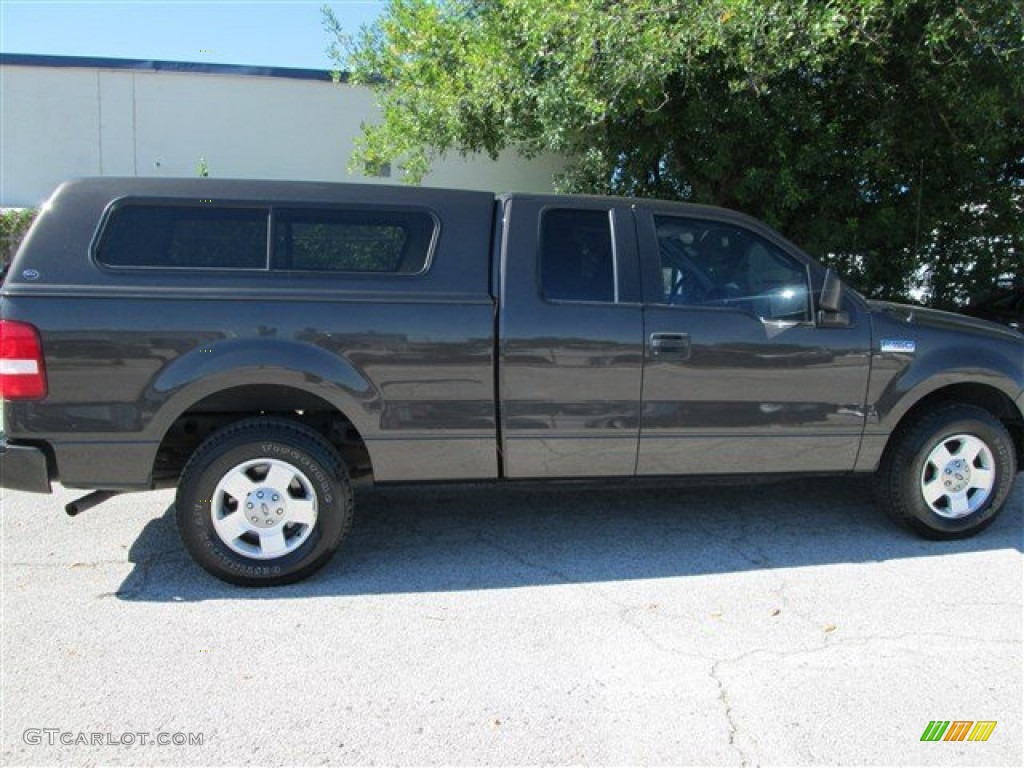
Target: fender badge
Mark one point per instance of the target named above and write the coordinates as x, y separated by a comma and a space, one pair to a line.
30, 274
899, 345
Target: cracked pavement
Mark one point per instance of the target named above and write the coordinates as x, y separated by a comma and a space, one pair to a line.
784, 624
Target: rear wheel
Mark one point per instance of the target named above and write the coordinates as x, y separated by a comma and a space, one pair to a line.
264, 502
948, 474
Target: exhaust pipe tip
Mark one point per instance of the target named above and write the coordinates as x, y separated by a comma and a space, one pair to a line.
88, 502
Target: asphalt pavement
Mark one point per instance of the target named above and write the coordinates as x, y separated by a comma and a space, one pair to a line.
789, 624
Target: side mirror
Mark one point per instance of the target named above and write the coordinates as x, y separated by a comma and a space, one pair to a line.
831, 293
830, 314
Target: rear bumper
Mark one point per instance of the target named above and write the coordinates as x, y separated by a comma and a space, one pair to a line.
23, 468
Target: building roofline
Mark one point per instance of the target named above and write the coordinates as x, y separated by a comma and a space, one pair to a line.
151, 65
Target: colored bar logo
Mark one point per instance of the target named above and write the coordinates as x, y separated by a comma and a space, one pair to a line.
958, 730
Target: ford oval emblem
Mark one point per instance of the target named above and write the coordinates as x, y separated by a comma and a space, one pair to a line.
30, 274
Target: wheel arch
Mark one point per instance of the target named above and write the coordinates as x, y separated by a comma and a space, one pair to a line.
190, 424
985, 396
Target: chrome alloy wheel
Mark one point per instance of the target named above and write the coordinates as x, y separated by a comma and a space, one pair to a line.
264, 509
958, 476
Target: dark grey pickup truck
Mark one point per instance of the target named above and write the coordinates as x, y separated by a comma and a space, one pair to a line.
263, 345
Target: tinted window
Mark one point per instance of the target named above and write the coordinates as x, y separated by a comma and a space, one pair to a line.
576, 257
335, 240
707, 263
184, 237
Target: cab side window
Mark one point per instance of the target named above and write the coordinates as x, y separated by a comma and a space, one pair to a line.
714, 264
577, 259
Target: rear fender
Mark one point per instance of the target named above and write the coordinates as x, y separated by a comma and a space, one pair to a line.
230, 363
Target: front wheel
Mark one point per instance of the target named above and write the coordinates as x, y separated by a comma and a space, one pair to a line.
948, 474
263, 502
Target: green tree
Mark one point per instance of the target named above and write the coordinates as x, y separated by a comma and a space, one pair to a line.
14, 225
885, 136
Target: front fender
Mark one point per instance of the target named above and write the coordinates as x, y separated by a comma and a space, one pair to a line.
914, 378
899, 381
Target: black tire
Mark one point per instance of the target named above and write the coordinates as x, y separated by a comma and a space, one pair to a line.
319, 482
898, 485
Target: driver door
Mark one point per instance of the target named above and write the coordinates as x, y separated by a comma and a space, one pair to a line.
738, 377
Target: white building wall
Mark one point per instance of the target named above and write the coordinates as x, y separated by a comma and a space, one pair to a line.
49, 129
58, 123
116, 94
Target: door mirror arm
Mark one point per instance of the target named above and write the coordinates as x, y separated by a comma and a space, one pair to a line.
833, 319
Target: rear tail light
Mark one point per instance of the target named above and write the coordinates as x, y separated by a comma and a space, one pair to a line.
22, 375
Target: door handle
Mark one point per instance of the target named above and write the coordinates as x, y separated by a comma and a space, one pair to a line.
674, 344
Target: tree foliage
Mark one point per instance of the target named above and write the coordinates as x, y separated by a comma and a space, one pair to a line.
884, 135
14, 225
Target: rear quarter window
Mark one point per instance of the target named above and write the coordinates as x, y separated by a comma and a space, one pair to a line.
577, 256
185, 237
